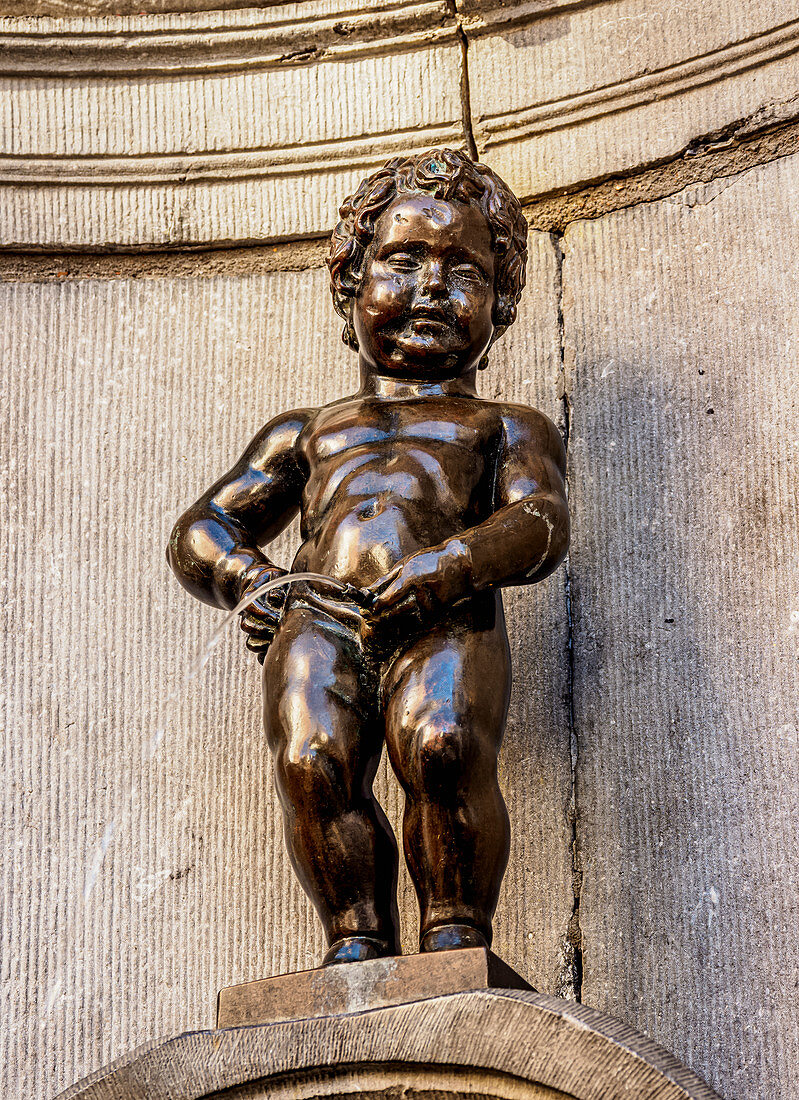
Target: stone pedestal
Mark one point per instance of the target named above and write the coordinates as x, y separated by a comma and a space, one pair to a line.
360, 987
374, 1041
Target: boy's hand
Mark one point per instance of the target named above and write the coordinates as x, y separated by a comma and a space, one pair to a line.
424, 583
260, 620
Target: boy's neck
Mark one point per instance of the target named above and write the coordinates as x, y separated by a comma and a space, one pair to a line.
389, 388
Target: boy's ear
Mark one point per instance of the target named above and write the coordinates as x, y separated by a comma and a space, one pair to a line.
348, 335
504, 313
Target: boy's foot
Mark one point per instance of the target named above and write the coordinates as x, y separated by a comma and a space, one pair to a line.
449, 937
355, 949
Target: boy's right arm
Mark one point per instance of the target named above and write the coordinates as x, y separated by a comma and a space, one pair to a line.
214, 549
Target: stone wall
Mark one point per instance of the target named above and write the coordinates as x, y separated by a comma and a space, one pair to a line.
650, 764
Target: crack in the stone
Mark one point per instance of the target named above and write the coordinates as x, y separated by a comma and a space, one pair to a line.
569, 978
466, 103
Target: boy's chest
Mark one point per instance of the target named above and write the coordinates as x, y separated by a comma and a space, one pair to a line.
449, 435
412, 452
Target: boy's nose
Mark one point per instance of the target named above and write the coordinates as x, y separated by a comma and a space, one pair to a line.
432, 279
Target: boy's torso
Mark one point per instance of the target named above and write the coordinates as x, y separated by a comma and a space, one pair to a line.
389, 477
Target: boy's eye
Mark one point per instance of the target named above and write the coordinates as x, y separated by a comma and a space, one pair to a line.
469, 272
402, 261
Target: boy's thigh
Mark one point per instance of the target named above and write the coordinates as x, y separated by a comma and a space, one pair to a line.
453, 683
317, 686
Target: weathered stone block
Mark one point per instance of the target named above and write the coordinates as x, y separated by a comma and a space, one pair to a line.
492, 1044
564, 94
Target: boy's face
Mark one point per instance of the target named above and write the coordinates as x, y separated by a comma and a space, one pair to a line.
425, 303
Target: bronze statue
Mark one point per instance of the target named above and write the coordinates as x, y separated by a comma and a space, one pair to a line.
424, 500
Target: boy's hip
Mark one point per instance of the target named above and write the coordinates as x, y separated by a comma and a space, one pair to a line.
380, 639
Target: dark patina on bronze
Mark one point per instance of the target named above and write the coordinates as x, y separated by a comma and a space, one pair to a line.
426, 500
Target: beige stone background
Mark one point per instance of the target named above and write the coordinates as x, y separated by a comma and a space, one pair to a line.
168, 172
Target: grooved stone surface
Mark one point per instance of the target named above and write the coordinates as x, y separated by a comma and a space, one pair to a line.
563, 93
120, 401
214, 127
248, 124
681, 348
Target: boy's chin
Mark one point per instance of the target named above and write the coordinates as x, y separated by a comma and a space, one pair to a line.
419, 358
423, 370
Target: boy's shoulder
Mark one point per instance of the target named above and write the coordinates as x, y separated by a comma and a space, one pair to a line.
526, 419
279, 435
529, 428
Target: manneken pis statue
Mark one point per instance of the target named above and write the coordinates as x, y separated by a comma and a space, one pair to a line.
426, 499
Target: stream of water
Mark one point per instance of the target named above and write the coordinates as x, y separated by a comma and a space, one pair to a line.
195, 666
115, 827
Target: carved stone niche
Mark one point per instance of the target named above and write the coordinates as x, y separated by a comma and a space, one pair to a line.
178, 123
492, 1044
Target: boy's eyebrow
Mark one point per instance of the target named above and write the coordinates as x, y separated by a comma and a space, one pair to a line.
385, 248
458, 252
467, 254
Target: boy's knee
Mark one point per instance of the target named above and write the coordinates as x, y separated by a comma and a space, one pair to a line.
311, 772
446, 758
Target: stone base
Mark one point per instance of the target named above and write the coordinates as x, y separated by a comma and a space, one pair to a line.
488, 1044
358, 987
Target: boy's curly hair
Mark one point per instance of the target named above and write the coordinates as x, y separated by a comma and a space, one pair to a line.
446, 174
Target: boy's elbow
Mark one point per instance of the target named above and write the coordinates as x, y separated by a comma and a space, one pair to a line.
192, 552
178, 549
208, 557
172, 548
556, 511
180, 559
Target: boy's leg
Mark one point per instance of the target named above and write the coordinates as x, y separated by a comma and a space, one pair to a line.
323, 726
446, 701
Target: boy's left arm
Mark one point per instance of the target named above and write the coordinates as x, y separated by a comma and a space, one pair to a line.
523, 541
527, 537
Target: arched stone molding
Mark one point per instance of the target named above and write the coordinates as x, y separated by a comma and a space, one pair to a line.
566, 93
496, 1045
214, 127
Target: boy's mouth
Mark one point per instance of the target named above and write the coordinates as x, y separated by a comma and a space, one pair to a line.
428, 318
432, 313
428, 324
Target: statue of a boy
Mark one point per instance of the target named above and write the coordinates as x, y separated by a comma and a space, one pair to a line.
426, 498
